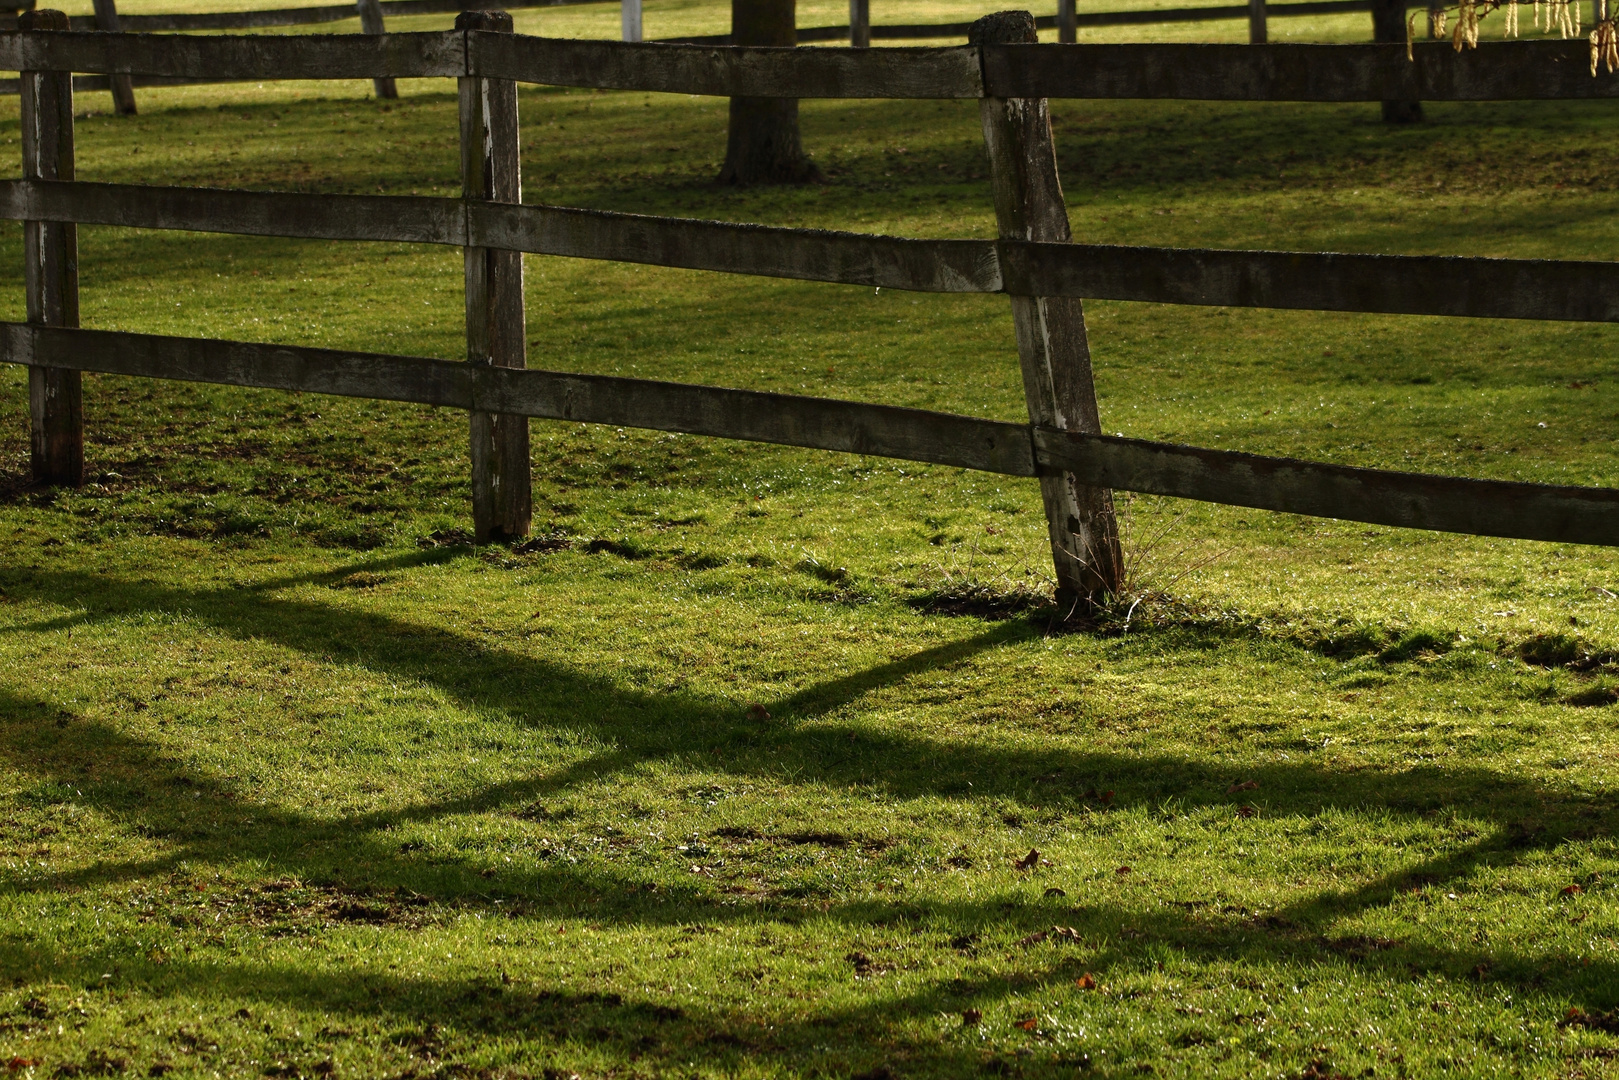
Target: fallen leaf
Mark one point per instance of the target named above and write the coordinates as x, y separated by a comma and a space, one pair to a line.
1054, 891
1246, 785
1086, 981
1029, 861
1571, 890
21, 1063
757, 712
1033, 939
971, 1017
1067, 933
1028, 1023
1121, 871
1107, 797
1246, 811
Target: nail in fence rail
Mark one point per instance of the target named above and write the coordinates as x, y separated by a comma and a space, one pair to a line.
1030, 262
55, 396
490, 171
1052, 347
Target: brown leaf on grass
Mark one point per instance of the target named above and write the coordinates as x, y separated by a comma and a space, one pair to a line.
1123, 870
1028, 1023
1246, 811
1595, 1021
1054, 891
1033, 939
1246, 785
21, 1063
757, 712
1570, 890
1065, 933
1029, 861
1086, 981
971, 1017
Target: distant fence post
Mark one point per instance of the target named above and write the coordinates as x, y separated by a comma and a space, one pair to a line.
370, 23
860, 23
1067, 22
123, 90
629, 19
1388, 27
502, 501
1257, 34
1052, 347
55, 395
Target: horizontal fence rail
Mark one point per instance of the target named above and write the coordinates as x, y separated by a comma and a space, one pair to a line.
1545, 289
1441, 503
1526, 70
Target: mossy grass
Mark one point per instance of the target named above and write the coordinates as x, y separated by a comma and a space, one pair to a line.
728, 770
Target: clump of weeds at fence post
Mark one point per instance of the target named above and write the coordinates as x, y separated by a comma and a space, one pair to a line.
707, 777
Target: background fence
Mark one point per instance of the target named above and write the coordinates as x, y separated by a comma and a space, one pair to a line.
1032, 262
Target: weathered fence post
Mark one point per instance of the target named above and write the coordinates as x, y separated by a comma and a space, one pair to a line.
370, 23
860, 23
1257, 33
1052, 346
629, 19
1388, 27
1067, 22
55, 395
501, 497
123, 91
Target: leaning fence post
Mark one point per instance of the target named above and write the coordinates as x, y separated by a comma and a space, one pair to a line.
629, 19
1257, 34
370, 23
1388, 27
1067, 22
1052, 347
860, 23
123, 90
501, 498
55, 395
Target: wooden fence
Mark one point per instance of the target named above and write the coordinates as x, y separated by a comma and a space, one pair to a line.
1033, 262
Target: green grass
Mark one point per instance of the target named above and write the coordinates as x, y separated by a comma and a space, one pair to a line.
294, 782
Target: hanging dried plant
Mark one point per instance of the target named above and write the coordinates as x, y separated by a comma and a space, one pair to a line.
1560, 15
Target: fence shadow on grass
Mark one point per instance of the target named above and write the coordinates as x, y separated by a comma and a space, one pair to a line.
203, 819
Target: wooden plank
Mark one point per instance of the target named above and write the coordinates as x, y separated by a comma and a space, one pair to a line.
805, 254
51, 266
502, 500
371, 22
729, 72
1512, 70
272, 56
1390, 284
817, 423
1053, 350
399, 218
1571, 515
293, 16
123, 94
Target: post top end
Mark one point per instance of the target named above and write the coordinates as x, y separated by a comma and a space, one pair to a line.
1003, 28
497, 22
42, 19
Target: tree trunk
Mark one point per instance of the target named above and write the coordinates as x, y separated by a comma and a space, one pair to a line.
1389, 27
763, 145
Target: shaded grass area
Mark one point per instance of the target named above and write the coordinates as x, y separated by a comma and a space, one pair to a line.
759, 762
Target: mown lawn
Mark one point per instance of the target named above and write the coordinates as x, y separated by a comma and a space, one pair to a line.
728, 772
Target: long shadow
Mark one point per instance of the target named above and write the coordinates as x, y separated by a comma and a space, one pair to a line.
202, 818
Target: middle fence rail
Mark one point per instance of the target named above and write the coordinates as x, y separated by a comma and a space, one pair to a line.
1033, 262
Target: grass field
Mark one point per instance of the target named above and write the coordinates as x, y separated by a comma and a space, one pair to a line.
727, 774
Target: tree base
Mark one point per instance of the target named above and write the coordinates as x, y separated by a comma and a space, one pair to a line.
764, 147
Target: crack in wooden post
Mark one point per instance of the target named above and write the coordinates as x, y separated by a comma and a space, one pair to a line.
502, 499
1052, 346
55, 397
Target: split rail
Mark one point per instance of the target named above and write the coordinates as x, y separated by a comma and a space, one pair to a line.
1033, 262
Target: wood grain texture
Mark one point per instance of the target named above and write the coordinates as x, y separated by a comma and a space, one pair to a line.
1053, 349
273, 56
51, 267
1391, 284
1515, 70
293, 16
729, 72
1572, 515
817, 423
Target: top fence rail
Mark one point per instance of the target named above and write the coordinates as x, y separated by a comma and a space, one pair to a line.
1507, 71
